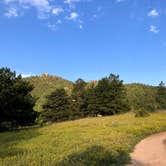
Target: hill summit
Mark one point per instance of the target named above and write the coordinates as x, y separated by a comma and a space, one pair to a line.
44, 84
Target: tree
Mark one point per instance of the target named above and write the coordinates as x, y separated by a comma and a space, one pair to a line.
16, 102
78, 94
56, 107
108, 97
161, 95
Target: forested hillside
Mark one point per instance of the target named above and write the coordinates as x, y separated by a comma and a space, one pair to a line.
142, 96
138, 94
44, 85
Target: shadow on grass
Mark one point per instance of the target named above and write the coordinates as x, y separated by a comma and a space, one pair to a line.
10, 140
96, 156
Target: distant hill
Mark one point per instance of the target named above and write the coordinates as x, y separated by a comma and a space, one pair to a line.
45, 84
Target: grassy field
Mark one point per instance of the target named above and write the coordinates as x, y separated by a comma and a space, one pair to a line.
86, 142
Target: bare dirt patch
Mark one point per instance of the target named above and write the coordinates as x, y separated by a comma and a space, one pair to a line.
150, 151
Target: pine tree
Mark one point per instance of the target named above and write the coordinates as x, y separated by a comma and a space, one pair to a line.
108, 97
78, 94
56, 107
16, 102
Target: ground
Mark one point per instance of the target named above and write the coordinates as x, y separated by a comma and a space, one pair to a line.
150, 151
86, 142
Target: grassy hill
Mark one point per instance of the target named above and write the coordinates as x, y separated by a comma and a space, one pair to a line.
45, 84
85, 142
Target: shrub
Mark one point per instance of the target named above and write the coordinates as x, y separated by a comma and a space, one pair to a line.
142, 113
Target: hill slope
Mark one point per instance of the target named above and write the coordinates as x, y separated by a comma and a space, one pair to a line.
85, 142
141, 95
45, 84
137, 94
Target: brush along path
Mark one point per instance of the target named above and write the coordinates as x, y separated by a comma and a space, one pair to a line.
150, 151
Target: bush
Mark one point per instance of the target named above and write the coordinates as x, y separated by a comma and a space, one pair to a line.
142, 113
7, 125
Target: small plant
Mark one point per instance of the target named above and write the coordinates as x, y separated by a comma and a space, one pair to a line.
142, 113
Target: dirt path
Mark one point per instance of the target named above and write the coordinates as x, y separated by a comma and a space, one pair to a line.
150, 151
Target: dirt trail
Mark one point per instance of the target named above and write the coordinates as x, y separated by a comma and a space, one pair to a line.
150, 151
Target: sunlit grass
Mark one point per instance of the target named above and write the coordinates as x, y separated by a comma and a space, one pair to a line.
91, 141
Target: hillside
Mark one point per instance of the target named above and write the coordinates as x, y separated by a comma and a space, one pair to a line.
45, 84
137, 94
85, 142
141, 95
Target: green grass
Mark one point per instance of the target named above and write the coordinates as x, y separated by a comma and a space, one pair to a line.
86, 142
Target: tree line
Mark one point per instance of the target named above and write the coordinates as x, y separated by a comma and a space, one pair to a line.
108, 96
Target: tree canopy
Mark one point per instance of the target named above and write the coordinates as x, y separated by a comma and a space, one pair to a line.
16, 102
108, 97
56, 107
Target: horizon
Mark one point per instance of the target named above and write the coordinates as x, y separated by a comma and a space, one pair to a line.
86, 39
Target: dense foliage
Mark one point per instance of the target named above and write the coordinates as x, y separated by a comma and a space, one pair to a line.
146, 97
16, 102
141, 96
141, 113
56, 107
108, 97
161, 96
78, 105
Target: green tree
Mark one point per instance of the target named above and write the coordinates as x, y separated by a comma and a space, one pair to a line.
108, 97
77, 103
16, 102
56, 107
161, 95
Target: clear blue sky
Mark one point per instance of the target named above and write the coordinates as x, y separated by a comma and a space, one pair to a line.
85, 38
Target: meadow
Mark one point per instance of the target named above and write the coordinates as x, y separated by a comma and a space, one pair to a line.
89, 142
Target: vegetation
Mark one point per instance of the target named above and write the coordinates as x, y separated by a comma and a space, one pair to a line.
85, 142
161, 96
78, 105
16, 103
142, 96
44, 85
56, 107
141, 113
90, 141
108, 97
138, 95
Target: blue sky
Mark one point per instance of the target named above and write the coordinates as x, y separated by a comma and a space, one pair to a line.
85, 38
